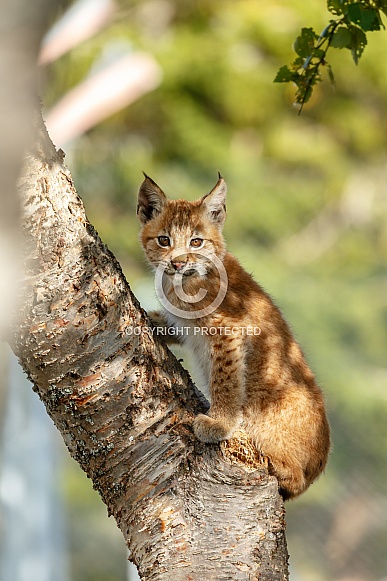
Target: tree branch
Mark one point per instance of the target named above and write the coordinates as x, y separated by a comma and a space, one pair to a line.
124, 405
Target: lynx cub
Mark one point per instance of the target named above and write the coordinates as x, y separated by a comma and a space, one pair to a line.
256, 372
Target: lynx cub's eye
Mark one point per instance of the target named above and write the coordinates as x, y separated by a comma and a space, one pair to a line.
196, 242
163, 241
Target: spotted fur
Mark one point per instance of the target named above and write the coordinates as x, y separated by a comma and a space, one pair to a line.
260, 380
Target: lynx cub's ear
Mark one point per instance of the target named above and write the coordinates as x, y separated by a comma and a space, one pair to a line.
215, 203
151, 200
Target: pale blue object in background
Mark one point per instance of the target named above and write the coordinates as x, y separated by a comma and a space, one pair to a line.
132, 573
32, 542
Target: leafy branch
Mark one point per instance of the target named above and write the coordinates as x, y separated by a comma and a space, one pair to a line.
352, 20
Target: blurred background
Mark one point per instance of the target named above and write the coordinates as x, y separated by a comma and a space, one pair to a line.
182, 89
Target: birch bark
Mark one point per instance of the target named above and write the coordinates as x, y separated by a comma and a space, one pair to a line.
124, 405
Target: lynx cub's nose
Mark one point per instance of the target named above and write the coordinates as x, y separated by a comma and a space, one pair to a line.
178, 264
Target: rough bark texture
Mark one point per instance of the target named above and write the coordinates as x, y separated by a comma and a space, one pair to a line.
124, 405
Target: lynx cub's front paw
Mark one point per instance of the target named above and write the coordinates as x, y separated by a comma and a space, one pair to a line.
157, 318
210, 430
162, 329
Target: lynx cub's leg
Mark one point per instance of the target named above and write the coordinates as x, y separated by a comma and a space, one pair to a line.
160, 323
226, 390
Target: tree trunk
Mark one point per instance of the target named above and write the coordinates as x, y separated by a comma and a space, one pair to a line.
23, 24
124, 405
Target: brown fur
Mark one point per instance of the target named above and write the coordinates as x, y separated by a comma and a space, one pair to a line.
260, 380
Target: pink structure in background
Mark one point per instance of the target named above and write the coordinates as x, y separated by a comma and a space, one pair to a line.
81, 21
104, 92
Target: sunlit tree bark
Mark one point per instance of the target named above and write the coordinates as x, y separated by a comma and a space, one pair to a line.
124, 405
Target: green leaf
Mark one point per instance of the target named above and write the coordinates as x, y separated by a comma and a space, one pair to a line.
304, 43
366, 18
382, 5
331, 76
341, 38
284, 75
358, 42
303, 93
318, 53
335, 7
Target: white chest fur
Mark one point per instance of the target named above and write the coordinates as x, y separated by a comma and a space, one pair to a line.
198, 346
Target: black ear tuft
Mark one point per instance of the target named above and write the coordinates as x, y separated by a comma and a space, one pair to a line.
215, 203
151, 200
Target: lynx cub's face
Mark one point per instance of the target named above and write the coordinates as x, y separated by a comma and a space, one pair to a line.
181, 237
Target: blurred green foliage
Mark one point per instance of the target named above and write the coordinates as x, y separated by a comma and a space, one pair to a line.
307, 211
